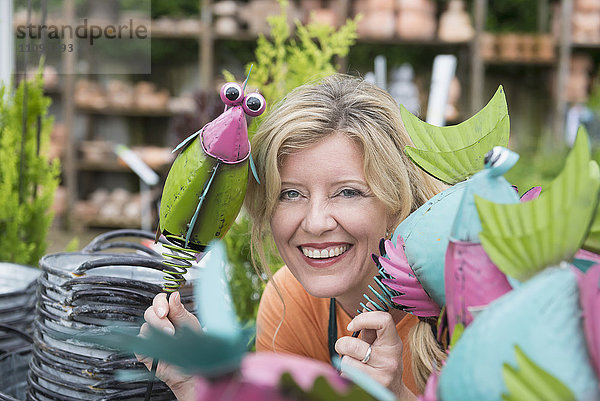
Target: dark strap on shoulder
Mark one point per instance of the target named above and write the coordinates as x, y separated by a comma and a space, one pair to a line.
332, 329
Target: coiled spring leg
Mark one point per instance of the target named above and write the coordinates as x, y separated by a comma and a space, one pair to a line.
176, 264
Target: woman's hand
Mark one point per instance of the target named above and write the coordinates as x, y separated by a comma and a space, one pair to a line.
168, 316
384, 363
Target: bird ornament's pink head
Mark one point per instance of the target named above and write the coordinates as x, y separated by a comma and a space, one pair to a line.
226, 137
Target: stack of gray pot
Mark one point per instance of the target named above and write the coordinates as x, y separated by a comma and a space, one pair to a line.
85, 293
17, 302
18, 285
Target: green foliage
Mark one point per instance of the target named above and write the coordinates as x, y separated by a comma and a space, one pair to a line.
511, 16
177, 9
28, 180
73, 245
245, 284
532, 383
284, 62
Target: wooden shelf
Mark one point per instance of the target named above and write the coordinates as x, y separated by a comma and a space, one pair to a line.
103, 223
532, 63
586, 45
108, 166
111, 111
396, 41
113, 166
53, 91
159, 32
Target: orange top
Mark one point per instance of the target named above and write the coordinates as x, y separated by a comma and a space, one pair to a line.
304, 328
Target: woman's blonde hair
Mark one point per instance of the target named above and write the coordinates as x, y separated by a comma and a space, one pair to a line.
309, 114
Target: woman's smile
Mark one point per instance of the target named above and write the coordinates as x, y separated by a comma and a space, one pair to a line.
325, 254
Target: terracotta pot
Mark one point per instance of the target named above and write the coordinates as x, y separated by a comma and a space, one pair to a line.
415, 25
527, 46
377, 25
255, 14
426, 6
586, 27
379, 5
588, 6
545, 47
325, 16
455, 23
308, 6
226, 26
488, 48
225, 8
508, 46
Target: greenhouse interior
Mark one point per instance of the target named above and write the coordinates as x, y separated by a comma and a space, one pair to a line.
178, 178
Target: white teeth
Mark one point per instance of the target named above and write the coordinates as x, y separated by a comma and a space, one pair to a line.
324, 253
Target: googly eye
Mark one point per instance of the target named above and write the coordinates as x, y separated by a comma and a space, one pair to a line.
254, 104
495, 156
499, 160
231, 93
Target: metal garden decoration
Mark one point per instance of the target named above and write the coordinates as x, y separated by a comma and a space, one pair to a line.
515, 280
206, 185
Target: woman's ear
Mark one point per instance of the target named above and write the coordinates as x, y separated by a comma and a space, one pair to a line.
391, 223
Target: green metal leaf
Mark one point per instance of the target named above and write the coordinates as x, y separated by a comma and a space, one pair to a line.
529, 382
454, 153
323, 391
523, 238
459, 328
194, 352
592, 242
367, 383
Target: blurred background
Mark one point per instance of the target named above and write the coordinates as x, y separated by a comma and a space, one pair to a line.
544, 53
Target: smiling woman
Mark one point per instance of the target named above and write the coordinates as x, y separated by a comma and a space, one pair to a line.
335, 181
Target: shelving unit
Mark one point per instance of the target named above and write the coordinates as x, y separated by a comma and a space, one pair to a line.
76, 168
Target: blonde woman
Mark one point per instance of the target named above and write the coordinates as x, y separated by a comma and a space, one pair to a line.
335, 181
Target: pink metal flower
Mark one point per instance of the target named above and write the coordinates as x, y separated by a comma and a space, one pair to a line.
409, 293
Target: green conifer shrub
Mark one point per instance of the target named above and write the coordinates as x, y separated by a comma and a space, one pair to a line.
27, 178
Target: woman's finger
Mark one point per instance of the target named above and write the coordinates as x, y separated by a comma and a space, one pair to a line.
369, 335
160, 305
180, 316
161, 324
381, 322
352, 347
353, 363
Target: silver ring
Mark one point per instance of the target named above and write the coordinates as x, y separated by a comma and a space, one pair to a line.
367, 355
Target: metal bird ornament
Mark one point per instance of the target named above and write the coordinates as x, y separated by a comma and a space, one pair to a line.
411, 265
538, 341
206, 185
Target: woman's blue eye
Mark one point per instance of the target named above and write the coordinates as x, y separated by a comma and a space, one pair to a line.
349, 193
289, 194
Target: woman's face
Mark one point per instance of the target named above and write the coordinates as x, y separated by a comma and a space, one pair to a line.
327, 222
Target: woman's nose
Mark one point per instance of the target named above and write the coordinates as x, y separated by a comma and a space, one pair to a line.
318, 219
